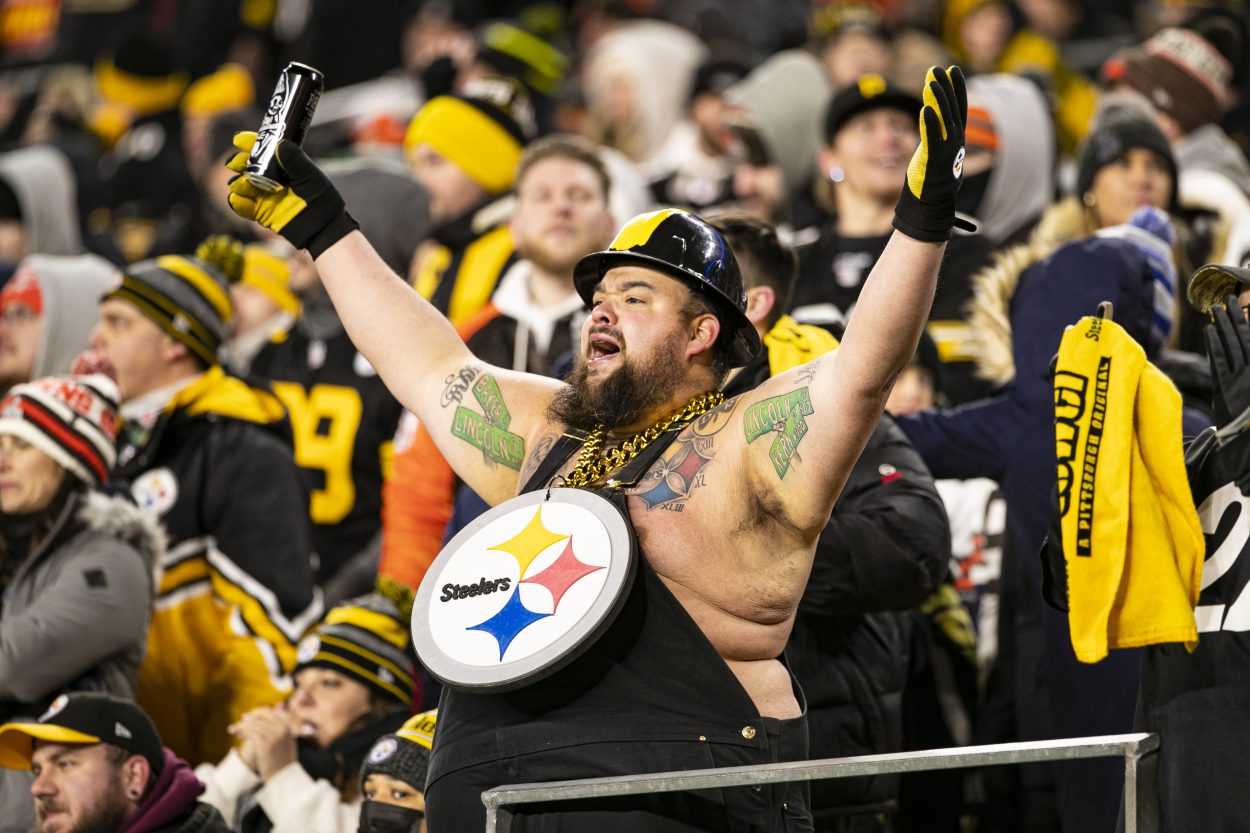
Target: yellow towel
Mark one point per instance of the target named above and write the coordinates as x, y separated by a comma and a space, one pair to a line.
1131, 536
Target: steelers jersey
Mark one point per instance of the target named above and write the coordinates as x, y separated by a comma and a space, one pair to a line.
343, 419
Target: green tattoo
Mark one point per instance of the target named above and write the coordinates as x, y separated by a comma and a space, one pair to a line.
499, 445
490, 433
783, 416
487, 393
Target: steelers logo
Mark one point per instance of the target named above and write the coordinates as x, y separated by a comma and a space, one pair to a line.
523, 590
958, 168
382, 750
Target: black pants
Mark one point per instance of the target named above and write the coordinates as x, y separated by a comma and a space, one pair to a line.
454, 803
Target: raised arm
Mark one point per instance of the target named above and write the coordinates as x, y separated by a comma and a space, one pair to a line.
481, 417
823, 413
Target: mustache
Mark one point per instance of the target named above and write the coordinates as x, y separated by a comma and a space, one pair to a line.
45, 806
606, 330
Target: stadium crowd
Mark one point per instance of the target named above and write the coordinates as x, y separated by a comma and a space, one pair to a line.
216, 510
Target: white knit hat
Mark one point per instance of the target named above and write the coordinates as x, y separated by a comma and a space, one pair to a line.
72, 419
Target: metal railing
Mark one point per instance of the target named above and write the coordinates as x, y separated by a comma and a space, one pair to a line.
1141, 805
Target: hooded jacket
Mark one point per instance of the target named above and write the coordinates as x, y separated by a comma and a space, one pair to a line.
43, 181
1020, 309
71, 288
236, 591
171, 805
74, 618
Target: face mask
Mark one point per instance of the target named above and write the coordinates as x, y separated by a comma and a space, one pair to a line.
376, 817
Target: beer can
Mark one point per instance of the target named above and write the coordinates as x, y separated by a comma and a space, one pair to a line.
288, 117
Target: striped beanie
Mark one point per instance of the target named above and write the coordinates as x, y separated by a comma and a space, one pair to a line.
1151, 232
365, 639
184, 296
405, 755
481, 130
72, 419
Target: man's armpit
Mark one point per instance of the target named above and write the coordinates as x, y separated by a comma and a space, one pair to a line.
486, 431
784, 419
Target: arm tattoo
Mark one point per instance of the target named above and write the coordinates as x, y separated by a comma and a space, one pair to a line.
539, 453
806, 374
680, 469
455, 385
784, 417
489, 433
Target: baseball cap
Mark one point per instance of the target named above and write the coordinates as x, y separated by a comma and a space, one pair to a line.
83, 718
869, 92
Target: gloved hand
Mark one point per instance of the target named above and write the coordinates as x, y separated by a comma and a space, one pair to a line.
308, 211
926, 209
1228, 350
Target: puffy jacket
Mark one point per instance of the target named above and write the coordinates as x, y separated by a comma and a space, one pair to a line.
236, 590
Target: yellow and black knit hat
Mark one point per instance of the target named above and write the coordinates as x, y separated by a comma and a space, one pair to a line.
481, 130
185, 296
365, 639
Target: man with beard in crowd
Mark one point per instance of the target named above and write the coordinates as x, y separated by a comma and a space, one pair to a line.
725, 498
99, 767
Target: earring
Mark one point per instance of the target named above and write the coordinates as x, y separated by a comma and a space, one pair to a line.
836, 174
1088, 199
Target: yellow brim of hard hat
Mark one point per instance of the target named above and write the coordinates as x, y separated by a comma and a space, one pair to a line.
17, 741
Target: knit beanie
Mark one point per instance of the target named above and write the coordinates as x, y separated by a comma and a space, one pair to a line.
1115, 133
270, 275
365, 639
481, 130
405, 755
185, 296
514, 52
72, 419
227, 89
141, 74
1180, 73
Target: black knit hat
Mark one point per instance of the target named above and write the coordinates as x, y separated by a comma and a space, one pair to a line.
1115, 133
365, 639
405, 755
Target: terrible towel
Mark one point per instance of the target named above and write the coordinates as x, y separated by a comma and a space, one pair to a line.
1131, 536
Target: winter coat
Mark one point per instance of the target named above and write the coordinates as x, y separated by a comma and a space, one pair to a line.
1021, 308
291, 798
75, 618
236, 592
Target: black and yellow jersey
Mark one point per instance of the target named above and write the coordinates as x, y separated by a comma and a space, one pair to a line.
235, 593
344, 420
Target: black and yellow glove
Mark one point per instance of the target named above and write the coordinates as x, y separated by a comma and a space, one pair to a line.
308, 211
926, 209
1228, 350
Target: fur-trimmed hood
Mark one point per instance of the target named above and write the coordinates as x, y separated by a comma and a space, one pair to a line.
1023, 301
118, 517
989, 311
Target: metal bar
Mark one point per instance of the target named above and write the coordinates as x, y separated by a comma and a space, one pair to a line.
1136, 749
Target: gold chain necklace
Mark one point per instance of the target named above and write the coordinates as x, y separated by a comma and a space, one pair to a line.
591, 465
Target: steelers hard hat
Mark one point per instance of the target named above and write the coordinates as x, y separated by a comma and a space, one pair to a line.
685, 247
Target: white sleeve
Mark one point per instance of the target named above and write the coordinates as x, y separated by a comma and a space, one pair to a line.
226, 783
295, 803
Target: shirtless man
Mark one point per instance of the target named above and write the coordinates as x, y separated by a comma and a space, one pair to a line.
689, 674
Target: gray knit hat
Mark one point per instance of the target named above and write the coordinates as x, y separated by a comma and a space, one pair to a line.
186, 297
405, 755
365, 639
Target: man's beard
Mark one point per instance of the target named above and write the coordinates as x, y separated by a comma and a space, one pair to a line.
622, 399
107, 817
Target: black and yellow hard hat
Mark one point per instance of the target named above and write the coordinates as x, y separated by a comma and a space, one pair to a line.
685, 247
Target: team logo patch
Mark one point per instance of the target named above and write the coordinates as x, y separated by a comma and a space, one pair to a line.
382, 751
523, 590
308, 648
156, 490
58, 706
958, 168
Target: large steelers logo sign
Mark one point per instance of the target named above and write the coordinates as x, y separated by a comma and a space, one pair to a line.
523, 590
